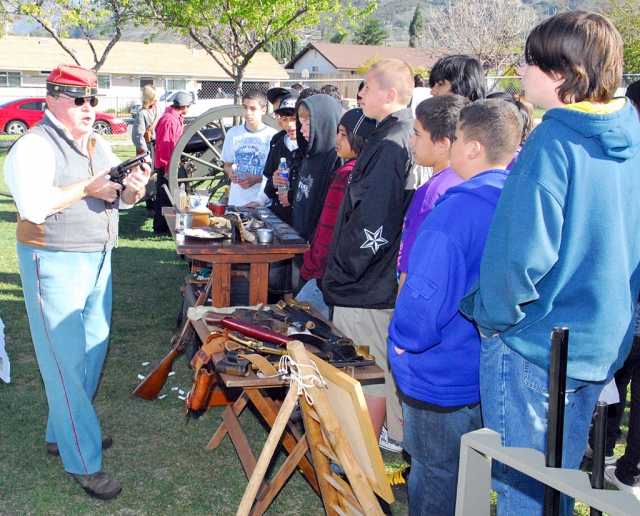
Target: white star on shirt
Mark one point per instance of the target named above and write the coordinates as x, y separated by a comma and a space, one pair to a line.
374, 240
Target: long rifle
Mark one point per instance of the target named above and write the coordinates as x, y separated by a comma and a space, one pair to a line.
151, 386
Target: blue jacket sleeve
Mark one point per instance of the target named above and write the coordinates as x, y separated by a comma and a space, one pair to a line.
429, 298
522, 246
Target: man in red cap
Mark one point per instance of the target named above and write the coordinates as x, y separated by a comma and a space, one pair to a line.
58, 174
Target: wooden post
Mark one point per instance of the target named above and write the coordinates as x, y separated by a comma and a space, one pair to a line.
267, 452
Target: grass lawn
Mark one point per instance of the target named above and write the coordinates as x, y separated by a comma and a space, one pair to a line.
158, 457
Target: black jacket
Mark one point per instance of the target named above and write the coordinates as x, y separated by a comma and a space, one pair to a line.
363, 260
319, 161
279, 150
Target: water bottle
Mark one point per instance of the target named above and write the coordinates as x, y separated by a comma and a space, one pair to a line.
283, 170
239, 173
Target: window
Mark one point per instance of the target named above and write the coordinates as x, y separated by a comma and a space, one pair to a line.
314, 68
175, 84
146, 81
104, 82
32, 106
10, 79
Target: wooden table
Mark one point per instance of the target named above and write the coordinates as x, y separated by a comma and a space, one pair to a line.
261, 394
223, 253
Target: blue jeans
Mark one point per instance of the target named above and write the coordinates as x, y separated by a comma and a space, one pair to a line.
433, 441
515, 399
68, 299
311, 293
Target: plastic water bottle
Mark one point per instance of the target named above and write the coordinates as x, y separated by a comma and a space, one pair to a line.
239, 173
283, 170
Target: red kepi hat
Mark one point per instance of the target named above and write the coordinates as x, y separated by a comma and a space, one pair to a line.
73, 81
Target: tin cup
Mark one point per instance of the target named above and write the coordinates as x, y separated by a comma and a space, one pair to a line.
265, 235
186, 220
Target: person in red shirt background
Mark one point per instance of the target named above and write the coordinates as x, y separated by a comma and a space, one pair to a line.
168, 132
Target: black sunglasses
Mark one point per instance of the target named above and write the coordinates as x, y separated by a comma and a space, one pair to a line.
79, 101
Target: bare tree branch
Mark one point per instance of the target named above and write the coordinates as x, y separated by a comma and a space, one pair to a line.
492, 30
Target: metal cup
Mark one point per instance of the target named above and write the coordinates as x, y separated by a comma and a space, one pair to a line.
184, 220
265, 235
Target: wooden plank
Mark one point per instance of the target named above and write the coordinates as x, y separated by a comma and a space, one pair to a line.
269, 413
237, 408
328, 453
221, 279
343, 488
320, 461
258, 285
260, 468
240, 441
279, 479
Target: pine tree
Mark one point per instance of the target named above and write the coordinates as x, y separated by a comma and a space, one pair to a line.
416, 28
372, 33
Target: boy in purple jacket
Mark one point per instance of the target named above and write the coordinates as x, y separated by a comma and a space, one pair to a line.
434, 132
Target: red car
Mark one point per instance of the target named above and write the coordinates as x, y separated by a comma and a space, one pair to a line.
16, 116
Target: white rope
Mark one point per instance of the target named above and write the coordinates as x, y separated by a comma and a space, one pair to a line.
314, 378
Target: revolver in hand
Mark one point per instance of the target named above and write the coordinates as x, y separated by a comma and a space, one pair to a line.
119, 173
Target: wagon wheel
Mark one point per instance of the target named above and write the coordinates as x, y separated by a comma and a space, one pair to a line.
196, 158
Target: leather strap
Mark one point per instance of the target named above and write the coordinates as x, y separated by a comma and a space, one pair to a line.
214, 343
261, 363
149, 130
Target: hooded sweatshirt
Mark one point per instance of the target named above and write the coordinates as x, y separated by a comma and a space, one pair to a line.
564, 246
319, 161
442, 348
361, 271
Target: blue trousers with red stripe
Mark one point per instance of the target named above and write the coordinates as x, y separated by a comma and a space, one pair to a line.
68, 298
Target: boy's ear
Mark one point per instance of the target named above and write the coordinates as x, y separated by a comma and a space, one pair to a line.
443, 145
392, 94
474, 149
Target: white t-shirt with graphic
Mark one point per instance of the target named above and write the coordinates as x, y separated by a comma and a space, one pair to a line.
249, 151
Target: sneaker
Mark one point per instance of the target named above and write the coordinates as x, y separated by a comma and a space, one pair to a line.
610, 476
386, 443
52, 448
98, 485
399, 483
609, 460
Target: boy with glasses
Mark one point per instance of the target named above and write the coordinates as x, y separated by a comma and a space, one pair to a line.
563, 248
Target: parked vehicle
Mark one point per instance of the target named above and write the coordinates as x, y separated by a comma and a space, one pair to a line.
16, 116
198, 107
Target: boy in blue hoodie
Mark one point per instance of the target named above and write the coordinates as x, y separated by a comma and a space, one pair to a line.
563, 249
433, 350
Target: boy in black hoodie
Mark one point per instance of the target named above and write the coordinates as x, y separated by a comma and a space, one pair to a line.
317, 119
360, 278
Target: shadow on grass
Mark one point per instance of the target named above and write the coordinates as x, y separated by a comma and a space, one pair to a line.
7, 210
134, 224
13, 280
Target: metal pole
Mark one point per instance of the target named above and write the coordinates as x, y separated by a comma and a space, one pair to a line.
555, 418
597, 468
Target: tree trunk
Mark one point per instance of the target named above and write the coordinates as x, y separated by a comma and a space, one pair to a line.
237, 94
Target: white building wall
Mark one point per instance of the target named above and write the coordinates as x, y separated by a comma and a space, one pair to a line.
312, 59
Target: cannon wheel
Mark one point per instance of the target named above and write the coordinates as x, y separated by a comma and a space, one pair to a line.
196, 159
